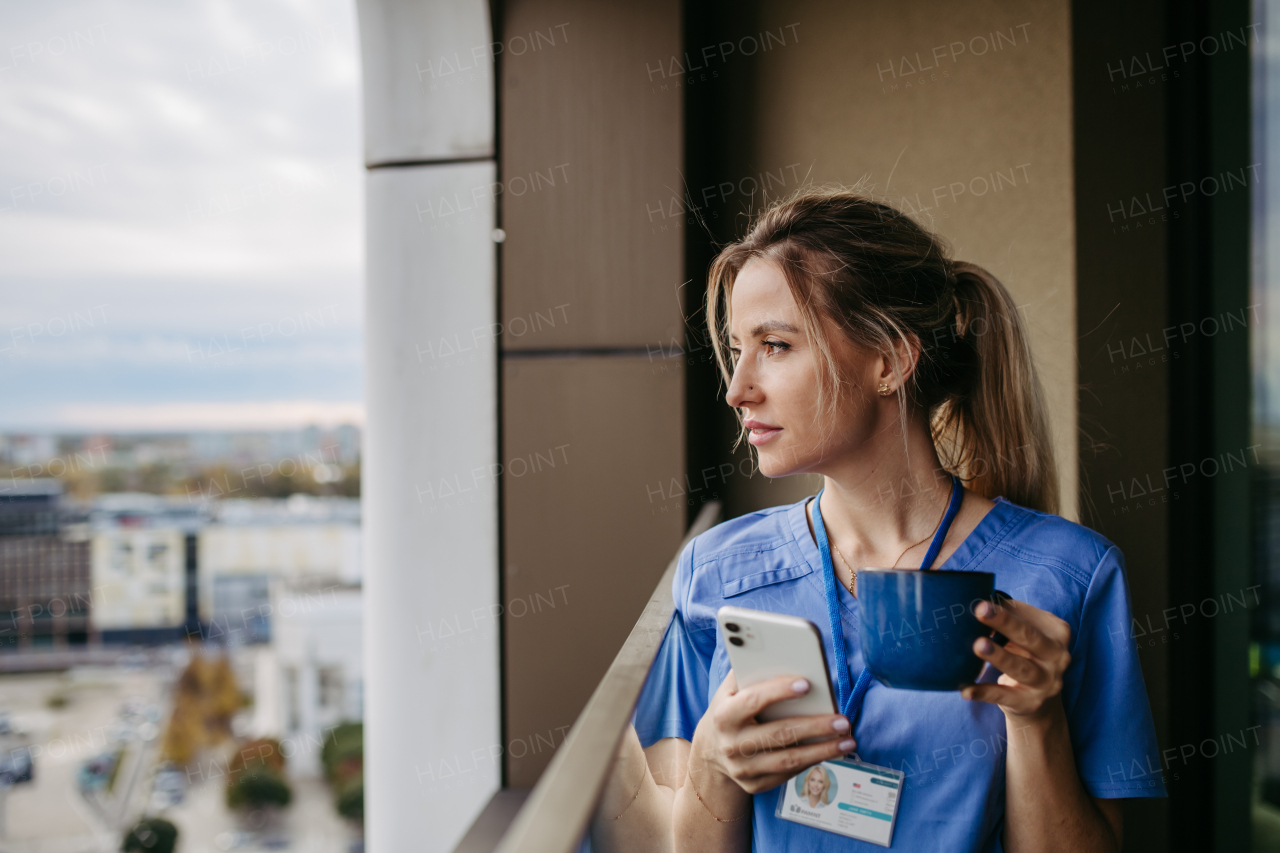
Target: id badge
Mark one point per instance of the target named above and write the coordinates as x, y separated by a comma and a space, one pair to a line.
846, 797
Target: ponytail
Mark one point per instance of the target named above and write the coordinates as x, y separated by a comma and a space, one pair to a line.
994, 433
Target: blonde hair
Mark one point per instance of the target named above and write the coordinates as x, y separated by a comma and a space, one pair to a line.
826, 783
885, 281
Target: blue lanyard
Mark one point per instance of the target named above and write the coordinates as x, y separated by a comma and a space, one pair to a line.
850, 697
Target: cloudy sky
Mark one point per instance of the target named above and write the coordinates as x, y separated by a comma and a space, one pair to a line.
181, 220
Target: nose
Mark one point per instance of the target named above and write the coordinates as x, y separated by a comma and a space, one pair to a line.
742, 386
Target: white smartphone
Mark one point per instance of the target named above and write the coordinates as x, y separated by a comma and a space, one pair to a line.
764, 645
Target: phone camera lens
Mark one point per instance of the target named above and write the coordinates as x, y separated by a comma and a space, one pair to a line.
737, 641
732, 627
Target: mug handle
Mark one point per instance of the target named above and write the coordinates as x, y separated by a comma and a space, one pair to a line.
998, 598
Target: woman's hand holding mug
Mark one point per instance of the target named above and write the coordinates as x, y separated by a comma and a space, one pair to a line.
1031, 663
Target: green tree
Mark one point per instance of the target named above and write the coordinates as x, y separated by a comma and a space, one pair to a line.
257, 787
151, 835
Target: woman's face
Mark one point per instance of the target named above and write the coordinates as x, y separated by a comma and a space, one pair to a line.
816, 784
776, 379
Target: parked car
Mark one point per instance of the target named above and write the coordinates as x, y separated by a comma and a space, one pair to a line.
96, 773
169, 787
16, 766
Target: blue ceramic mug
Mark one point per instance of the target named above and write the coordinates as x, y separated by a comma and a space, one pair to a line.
918, 628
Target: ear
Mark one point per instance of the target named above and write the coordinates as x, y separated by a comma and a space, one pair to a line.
896, 367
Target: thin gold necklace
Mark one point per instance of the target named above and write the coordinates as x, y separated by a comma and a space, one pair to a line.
853, 573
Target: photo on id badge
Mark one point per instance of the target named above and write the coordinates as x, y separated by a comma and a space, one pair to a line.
845, 797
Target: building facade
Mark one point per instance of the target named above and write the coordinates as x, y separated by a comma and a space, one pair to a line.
46, 597
311, 676
249, 545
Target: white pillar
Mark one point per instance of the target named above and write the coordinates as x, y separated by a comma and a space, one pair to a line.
430, 417
268, 712
305, 761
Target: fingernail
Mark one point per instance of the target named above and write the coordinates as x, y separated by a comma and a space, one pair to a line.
985, 609
800, 685
984, 646
967, 693
840, 724
846, 745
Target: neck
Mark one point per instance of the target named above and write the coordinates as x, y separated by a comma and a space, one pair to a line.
881, 500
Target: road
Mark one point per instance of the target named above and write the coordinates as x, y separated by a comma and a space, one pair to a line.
310, 823
49, 815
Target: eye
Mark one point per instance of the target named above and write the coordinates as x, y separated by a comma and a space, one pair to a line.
773, 347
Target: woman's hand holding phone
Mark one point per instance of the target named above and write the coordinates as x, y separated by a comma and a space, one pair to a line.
730, 745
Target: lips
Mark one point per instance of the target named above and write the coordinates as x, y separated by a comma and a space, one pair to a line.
761, 432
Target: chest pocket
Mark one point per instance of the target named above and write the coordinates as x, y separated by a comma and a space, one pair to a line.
765, 595
738, 586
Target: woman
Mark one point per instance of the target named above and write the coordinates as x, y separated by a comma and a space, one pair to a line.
817, 788
855, 349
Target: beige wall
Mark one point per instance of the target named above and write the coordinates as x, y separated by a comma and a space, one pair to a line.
584, 545
841, 102
582, 114
588, 290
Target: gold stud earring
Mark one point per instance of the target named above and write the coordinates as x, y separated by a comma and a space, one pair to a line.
883, 389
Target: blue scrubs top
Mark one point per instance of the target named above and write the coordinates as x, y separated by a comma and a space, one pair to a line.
951, 750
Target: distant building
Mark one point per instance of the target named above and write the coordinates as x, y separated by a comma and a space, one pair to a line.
45, 595
311, 677
250, 543
144, 567
185, 453
27, 449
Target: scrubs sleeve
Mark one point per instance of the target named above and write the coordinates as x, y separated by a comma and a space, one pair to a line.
675, 695
1109, 716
